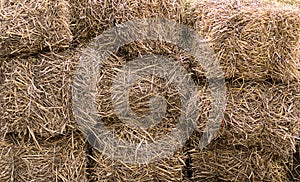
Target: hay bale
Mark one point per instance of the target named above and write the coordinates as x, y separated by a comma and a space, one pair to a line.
106, 169
261, 114
258, 135
223, 161
32, 26
252, 39
36, 93
59, 159
91, 18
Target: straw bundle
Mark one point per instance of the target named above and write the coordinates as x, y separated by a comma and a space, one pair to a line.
105, 169
58, 159
252, 39
92, 17
31, 26
35, 93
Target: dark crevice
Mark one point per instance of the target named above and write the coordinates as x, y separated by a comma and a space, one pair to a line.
90, 163
187, 170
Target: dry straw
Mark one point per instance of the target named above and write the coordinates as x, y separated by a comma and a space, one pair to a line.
6, 158
227, 162
258, 134
292, 2
252, 39
57, 159
170, 169
105, 169
31, 26
36, 93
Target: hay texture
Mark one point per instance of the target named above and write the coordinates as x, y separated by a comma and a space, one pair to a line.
59, 159
295, 168
105, 169
6, 158
257, 138
36, 93
31, 26
227, 162
91, 18
292, 2
252, 39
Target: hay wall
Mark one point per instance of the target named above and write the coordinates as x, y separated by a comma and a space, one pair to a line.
32, 26
253, 40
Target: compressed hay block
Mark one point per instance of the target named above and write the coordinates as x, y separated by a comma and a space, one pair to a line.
222, 161
260, 114
36, 93
6, 160
168, 169
31, 26
257, 138
91, 18
252, 39
60, 159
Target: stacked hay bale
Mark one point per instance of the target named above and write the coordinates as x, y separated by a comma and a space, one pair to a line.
257, 139
91, 18
32, 26
165, 169
36, 93
57, 159
257, 44
106, 169
252, 39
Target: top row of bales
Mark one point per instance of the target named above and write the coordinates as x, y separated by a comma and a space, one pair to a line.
252, 40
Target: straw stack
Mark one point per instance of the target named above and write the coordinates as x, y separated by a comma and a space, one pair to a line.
32, 26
